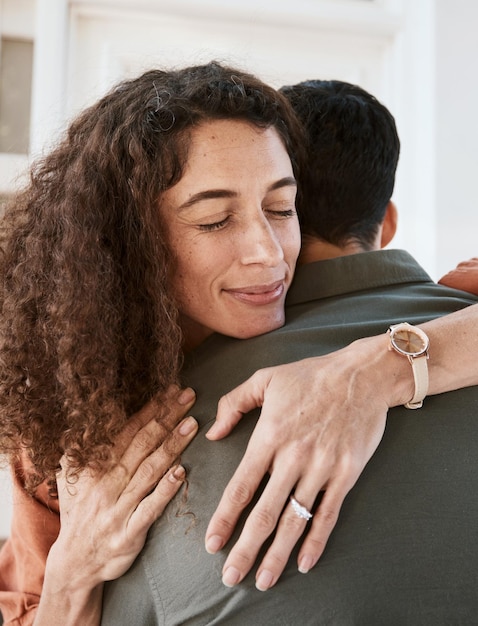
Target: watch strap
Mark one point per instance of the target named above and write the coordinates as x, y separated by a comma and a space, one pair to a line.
420, 376
417, 358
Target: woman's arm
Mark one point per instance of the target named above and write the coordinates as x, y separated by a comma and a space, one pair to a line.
349, 393
104, 520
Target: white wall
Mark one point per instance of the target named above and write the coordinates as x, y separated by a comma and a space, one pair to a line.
456, 132
5, 504
384, 45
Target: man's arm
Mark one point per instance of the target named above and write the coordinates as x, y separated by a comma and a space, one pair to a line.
349, 392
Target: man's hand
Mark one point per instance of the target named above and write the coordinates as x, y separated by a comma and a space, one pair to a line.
322, 419
464, 277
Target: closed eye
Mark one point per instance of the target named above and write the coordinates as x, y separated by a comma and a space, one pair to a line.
282, 214
214, 226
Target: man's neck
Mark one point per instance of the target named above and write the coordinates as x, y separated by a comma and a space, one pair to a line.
314, 249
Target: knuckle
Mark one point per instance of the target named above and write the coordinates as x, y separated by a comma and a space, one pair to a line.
242, 558
121, 474
264, 521
328, 516
161, 430
172, 446
171, 392
147, 471
142, 441
293, 524
239, 494
116, 539
315, 545
351, 465
148, 511
223, 525
260, 374
151, 435
276, 560
224, 403
166, 417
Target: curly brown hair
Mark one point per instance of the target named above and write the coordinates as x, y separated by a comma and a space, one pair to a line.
89, 331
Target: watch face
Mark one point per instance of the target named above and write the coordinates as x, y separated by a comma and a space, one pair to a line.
408, 342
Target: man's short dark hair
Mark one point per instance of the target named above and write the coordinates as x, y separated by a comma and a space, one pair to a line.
353, 149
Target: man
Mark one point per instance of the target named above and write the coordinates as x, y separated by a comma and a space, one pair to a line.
405, 547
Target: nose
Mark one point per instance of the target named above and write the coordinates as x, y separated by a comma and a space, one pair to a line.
260, 244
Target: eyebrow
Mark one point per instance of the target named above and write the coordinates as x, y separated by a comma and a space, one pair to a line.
211, 194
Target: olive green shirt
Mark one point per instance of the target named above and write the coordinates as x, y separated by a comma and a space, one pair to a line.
405, 548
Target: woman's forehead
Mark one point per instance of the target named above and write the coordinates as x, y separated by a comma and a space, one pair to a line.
227, 145
230, 158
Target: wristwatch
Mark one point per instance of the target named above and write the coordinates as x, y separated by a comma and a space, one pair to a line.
413, 343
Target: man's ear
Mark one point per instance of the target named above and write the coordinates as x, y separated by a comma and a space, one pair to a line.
389, 224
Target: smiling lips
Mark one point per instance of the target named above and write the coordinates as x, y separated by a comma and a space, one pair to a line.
258, 294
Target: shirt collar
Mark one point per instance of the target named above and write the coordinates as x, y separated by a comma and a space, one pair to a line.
353, 273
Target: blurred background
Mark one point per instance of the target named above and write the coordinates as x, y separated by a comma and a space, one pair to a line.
417, 56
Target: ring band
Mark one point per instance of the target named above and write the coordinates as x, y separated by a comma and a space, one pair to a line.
300, 510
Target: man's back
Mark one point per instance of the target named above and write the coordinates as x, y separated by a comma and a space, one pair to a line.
405, 549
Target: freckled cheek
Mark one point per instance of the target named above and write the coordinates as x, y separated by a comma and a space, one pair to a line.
291, 247
182, 277
202, 268
196, 279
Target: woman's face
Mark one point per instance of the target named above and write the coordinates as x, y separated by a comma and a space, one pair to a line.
233, 229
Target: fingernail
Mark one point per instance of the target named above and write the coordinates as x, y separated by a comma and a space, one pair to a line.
306, 563
177, 474
186, 396
213, 544
187, 426
264, 580
231, 577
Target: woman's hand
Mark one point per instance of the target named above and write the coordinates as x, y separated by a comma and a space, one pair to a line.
322, 419
105, 515
464, 277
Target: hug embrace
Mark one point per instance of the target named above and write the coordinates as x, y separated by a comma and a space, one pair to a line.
154, 252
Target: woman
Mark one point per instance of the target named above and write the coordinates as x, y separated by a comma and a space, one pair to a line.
98, 305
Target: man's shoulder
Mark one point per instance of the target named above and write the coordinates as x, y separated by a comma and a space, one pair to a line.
374, 273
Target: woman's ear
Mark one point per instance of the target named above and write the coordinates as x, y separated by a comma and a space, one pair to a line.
389, 224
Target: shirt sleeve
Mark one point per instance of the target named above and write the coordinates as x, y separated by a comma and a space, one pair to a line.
35, 527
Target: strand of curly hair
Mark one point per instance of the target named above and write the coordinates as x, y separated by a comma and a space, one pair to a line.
89, 331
